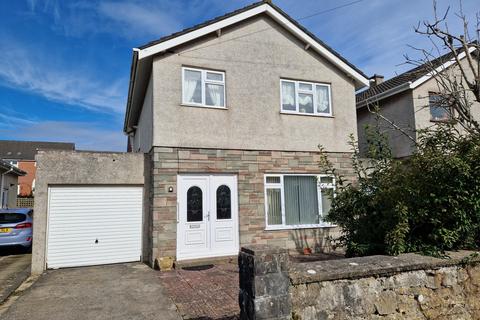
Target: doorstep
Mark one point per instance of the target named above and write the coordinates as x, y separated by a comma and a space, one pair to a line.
205, 261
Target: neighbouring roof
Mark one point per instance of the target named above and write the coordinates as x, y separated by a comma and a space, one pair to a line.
5, 166
26, 150
407, 80
142, 56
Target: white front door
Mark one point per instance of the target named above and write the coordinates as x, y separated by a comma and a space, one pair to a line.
207, 216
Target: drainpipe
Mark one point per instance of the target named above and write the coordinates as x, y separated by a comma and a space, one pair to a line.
1, 186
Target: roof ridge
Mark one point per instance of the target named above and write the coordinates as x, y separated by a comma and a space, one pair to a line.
408, 76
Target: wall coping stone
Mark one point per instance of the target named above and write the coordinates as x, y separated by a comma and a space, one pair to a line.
373, 266
259, 249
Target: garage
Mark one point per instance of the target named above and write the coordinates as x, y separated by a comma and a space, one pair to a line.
93, 225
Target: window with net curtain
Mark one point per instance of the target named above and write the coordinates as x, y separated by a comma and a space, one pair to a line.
297, 200
305, 97
203, 87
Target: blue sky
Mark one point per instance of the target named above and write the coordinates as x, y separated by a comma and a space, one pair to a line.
65, 64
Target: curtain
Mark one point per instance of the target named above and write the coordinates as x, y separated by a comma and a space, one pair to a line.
305, 102
191, 86
323, 99
301, 200
214, 95
274, 211
288, 96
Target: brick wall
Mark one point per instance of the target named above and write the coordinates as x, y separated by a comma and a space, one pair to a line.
25, 182
250, 167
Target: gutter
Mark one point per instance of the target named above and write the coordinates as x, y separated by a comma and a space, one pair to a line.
385, 94
133, 73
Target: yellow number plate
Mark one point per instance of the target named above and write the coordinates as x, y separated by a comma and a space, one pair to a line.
5, 230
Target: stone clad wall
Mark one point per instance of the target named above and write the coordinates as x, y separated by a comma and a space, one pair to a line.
250, 166
409, 286
445, 293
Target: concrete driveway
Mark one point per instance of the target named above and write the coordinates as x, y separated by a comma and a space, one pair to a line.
14, 269
124, 291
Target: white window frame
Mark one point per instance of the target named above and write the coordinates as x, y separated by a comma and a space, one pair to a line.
448, 108
313, 92
204, 81
280, 186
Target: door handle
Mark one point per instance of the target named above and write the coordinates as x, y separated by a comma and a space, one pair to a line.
208, 216
178, 214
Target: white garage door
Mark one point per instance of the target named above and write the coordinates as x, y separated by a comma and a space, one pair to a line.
94, 225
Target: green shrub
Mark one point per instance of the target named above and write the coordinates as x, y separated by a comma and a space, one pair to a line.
428, 203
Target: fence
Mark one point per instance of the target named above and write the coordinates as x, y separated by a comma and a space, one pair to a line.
25, 202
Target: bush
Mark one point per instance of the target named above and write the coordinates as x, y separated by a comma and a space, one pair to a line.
429, 203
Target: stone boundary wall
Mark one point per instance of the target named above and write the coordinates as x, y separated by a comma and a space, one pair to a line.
408, 286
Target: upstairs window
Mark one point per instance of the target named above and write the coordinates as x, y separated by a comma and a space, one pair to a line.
440, 109
204, 88
305, 98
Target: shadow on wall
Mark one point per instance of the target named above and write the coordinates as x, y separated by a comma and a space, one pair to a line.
320, 240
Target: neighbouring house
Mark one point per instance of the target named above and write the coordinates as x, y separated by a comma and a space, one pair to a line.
9, 175
224, 121
230, 114
22, 155
411, 101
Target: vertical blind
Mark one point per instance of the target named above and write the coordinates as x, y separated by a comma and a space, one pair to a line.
274, 202
301, 200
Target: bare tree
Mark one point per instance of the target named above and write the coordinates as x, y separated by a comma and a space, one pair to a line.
459, 84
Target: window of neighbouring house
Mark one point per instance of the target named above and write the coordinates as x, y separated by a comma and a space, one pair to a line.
305, 98
297, 201
440, 109
204, 88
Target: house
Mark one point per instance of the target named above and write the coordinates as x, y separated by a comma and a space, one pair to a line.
9, 175
411, 101
230, 114
223, 120
22, 155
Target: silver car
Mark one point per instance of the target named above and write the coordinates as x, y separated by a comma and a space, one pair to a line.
16, 227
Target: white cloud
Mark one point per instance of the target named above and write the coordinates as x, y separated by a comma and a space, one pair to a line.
30, 70
133, 19
85, 135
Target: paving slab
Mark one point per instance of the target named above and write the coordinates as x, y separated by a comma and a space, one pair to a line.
14, 270
124, 291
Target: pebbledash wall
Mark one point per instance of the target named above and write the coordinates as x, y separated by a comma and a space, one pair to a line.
250, 167
409, 286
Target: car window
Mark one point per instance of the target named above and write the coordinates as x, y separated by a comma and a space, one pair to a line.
11, 217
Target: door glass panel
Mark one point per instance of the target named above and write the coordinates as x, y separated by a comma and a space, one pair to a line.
194, 204
224, 208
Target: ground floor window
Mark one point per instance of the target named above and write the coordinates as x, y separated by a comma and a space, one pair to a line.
297, 201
